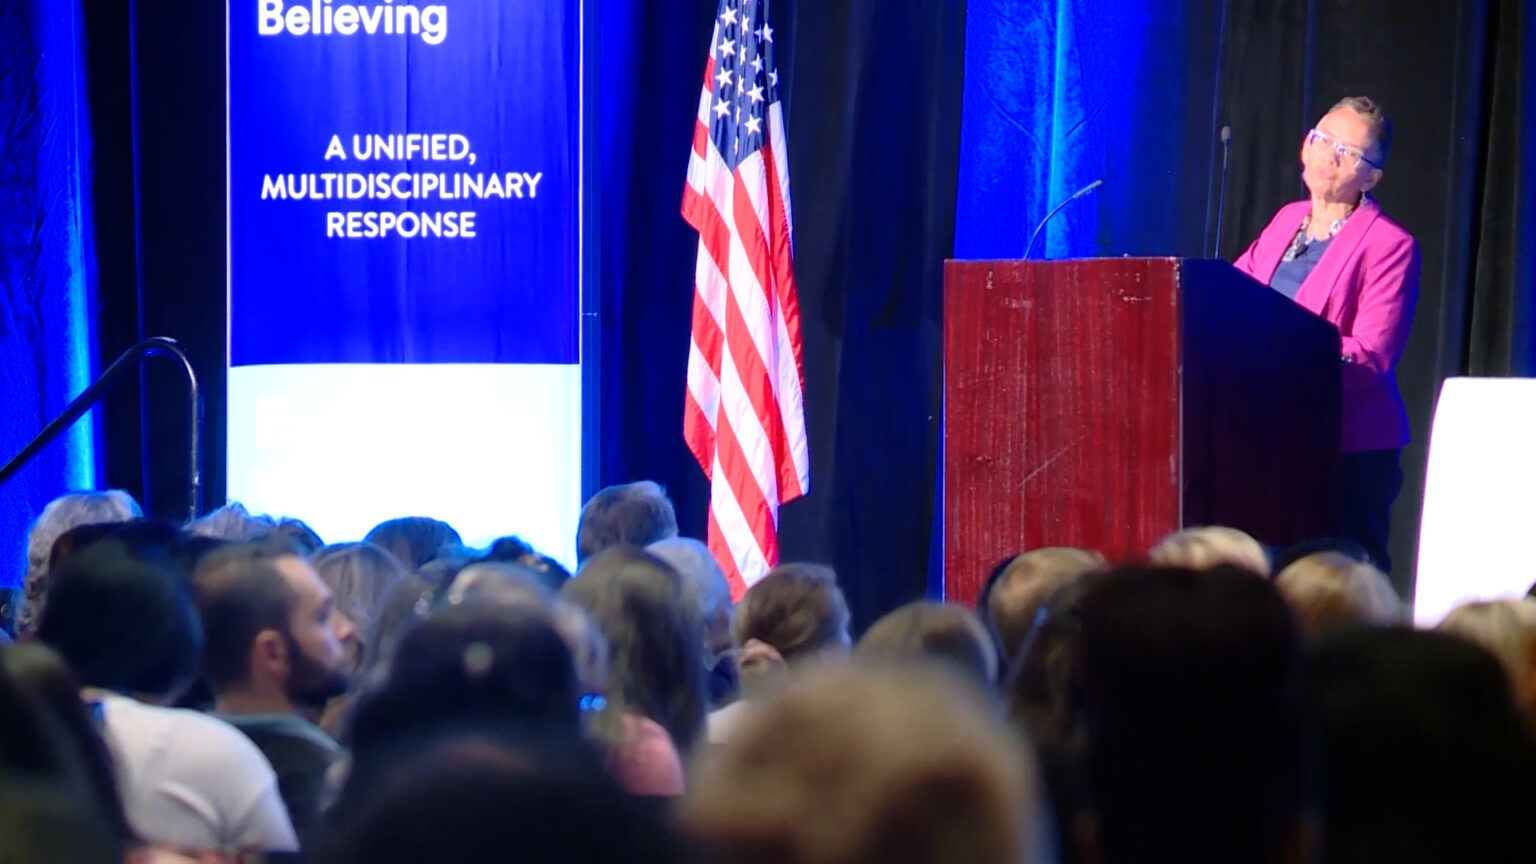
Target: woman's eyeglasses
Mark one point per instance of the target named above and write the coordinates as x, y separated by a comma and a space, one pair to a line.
1343, 153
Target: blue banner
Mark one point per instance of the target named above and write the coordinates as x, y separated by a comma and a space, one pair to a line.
404, 182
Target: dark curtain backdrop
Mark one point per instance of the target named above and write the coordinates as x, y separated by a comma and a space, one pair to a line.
872, 104
1455, 77
1046, 110
874, 91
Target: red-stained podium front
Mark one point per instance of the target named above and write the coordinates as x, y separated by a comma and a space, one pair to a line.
1104, 403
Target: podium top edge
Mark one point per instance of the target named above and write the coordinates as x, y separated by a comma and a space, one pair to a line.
1162, 258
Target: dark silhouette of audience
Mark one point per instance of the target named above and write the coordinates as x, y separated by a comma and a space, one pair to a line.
233, 688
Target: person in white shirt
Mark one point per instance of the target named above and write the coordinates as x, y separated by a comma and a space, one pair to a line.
125, 621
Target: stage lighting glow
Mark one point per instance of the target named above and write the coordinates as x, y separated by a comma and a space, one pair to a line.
1474, 541
491, 449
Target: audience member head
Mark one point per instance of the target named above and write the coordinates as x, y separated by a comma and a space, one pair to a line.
1337, 545
655, 662
1506, 629
234, 523
359, 576
1043, 698
1023, 586
794, 614
589, 650
479, 667
867, 764
497, 582
79, 748
293, 532
942, 633
143, 536
124, 621
272, 642
705, 588
508, 549
512, 550
1423, 756
404, 606
415, 540
1211, 546
1328, 590
637, 514
1188, 679
471, 799
62, 514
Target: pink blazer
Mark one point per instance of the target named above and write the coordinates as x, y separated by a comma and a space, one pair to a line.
1366, 285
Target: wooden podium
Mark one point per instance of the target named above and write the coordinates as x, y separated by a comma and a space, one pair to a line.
1105, 403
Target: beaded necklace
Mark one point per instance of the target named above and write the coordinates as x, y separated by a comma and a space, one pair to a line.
1300, 243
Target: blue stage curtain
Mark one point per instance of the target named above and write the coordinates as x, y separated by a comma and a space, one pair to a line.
45, 259
1061, 93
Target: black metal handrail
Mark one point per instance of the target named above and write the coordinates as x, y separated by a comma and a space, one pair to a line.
152, 347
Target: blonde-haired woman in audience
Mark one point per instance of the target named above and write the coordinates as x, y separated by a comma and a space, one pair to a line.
934, 633
794, 616
1507, 629
869, 763
62, 514
359, 576
1329, 590
1207, 547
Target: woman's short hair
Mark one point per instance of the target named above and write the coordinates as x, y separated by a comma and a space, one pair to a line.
1371, 112
1207, 547
1330, 590
124, 620
867, 764
62, 514
797, 609
655, 641
946, 634
1506, 629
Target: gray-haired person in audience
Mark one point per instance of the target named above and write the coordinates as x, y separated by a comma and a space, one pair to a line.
705, 589
62, 514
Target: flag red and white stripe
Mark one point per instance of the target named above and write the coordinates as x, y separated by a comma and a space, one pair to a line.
744, 418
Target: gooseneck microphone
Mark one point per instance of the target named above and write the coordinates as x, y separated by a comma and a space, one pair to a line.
1057, 209
1221, 199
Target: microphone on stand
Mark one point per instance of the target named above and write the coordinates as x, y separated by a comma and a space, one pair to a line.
1221, 200
1057, 209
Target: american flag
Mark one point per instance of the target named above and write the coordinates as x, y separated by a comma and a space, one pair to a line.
744, 419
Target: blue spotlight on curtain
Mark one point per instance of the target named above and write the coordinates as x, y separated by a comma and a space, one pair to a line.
45, 259
1052, 96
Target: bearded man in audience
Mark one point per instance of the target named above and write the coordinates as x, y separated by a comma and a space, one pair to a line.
273, 651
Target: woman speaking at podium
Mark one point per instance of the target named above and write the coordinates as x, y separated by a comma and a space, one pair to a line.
1339, 256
